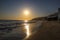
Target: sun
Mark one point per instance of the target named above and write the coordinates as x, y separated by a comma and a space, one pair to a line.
26, 12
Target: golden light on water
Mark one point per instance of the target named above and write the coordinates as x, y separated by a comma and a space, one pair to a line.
27, 29
26, 21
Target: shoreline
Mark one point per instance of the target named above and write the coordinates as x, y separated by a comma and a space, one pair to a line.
50, 31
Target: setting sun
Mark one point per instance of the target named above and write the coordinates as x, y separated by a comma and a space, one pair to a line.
26, 12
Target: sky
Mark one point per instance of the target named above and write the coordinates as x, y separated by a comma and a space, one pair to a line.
13, 9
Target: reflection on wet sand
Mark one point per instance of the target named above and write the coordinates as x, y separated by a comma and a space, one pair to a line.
27, 29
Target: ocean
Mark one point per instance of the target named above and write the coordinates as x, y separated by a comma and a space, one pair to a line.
15, 30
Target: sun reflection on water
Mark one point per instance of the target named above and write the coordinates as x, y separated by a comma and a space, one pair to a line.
27, 28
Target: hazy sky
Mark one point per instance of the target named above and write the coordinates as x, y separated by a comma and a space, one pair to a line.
13, 9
